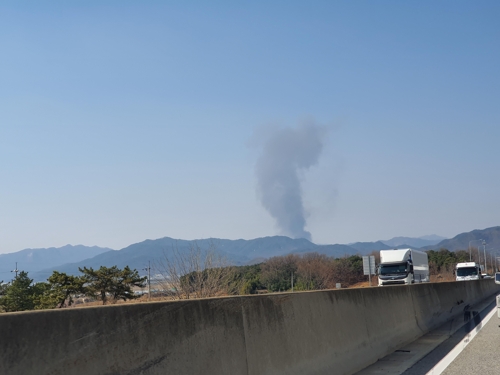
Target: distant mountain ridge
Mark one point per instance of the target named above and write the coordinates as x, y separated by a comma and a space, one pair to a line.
238, 252
414, 242
474, 238
33, 260
40, 263
368, 247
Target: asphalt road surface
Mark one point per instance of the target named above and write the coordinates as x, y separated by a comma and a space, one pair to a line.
482, 355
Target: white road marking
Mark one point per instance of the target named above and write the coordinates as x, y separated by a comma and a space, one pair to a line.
450, 357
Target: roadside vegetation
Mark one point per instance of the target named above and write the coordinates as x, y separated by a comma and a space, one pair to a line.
203, 273
105, 285
442, 263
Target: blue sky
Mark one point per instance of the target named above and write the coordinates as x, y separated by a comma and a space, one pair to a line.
122, 121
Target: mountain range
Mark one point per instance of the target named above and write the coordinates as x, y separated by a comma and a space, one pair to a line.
237, 252
462, 241
40, 263
33, 260
415, 242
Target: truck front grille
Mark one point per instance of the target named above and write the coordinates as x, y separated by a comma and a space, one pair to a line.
393, 282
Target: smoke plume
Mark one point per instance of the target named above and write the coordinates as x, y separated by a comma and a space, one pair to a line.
286, 154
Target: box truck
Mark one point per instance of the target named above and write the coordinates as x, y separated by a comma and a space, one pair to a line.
468, 271
403, 266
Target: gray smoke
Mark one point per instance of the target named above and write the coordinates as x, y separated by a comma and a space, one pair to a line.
286, 154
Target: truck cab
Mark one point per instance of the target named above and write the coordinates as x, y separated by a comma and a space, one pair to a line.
402, 266
468, 271
395, 273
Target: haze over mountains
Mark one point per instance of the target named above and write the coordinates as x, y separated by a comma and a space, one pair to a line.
40, 263
238, 252
491, 237
415, 242
33, 260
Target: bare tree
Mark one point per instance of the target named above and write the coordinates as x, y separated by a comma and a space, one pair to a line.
195, 273
376, 254
277, 272
311, 271
314, 271
348, 270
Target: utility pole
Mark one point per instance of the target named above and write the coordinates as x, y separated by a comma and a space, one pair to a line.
369, 273
149, 279
16, 270
292, 281
485, 259
479, 255
470, 252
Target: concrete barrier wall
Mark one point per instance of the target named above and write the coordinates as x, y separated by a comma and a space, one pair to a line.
335, 331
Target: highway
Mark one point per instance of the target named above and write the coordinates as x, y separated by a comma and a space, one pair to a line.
466, 351
482, 355
319, 332
453, 349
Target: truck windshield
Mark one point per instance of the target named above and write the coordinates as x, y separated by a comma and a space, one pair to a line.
393, 269
467, 271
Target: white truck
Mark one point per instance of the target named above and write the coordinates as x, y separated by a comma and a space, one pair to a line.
468, 271
403, 266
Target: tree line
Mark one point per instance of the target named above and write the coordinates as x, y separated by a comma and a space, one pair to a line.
202, 273
442, 262
310, 271
104, 284
199, 273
